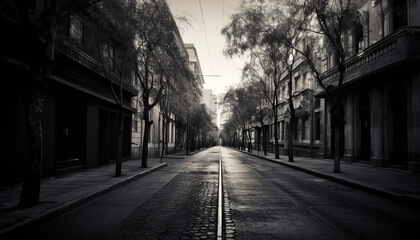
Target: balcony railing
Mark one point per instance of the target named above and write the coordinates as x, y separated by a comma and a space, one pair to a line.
389, 51
85, 60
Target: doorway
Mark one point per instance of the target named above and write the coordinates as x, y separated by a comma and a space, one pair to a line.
398, 110
365, 138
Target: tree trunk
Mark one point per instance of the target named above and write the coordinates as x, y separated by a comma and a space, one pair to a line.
264, 141
163, 138
337, 149
249, 141
145, 151
40, 67
32, 179
243, 140
193, 140
118, 163
276, 138
292, 117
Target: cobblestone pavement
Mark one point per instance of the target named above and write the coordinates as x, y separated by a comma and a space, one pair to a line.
185, 208
230, 229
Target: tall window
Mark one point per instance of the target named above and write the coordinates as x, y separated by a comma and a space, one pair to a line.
317, 126
172, 132
305, 127
317, 103
282, 130
399, 10
296, 83
283, 90
76, 30
304, 80
385, 22
359, 37
107, 55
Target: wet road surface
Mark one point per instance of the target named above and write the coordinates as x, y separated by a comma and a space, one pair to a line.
271, 201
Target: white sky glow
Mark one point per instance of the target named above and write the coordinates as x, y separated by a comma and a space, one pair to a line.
208, 40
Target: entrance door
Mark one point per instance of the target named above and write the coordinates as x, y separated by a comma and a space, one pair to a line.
364, 111
71, 134
398, 105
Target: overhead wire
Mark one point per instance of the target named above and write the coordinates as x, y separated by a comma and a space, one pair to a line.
205, 32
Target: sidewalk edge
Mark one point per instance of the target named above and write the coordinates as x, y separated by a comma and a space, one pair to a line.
59, 210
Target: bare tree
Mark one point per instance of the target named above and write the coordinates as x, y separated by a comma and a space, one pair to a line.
327, 23
158, 52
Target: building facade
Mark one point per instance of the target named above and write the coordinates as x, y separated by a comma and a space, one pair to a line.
163, 132
380, 101
80, 114
210, 100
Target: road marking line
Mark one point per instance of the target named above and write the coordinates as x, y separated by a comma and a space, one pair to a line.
220, 202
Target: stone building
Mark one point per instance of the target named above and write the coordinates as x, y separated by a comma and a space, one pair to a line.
163, 133
380, 101
80, 115
307, 129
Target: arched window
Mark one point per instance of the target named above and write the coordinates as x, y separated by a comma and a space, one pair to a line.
399, 14
358, 37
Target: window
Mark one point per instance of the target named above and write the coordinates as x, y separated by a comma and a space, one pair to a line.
76, 30
296, 84
324, 63
317, 126
133, 77
399, 14
107, 55
304, 82
304, 120
317, 103
331, 60
305, 128
283, 90
282, 131
359, 44
172, 132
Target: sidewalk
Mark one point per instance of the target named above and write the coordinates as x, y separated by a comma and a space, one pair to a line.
391, 183
63, 193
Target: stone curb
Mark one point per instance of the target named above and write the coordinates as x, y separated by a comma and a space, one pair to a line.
346, 182
59, 210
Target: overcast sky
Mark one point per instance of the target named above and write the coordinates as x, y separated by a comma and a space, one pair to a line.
207, 38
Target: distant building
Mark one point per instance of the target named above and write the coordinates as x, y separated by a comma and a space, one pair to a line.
210, 100
195, 64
